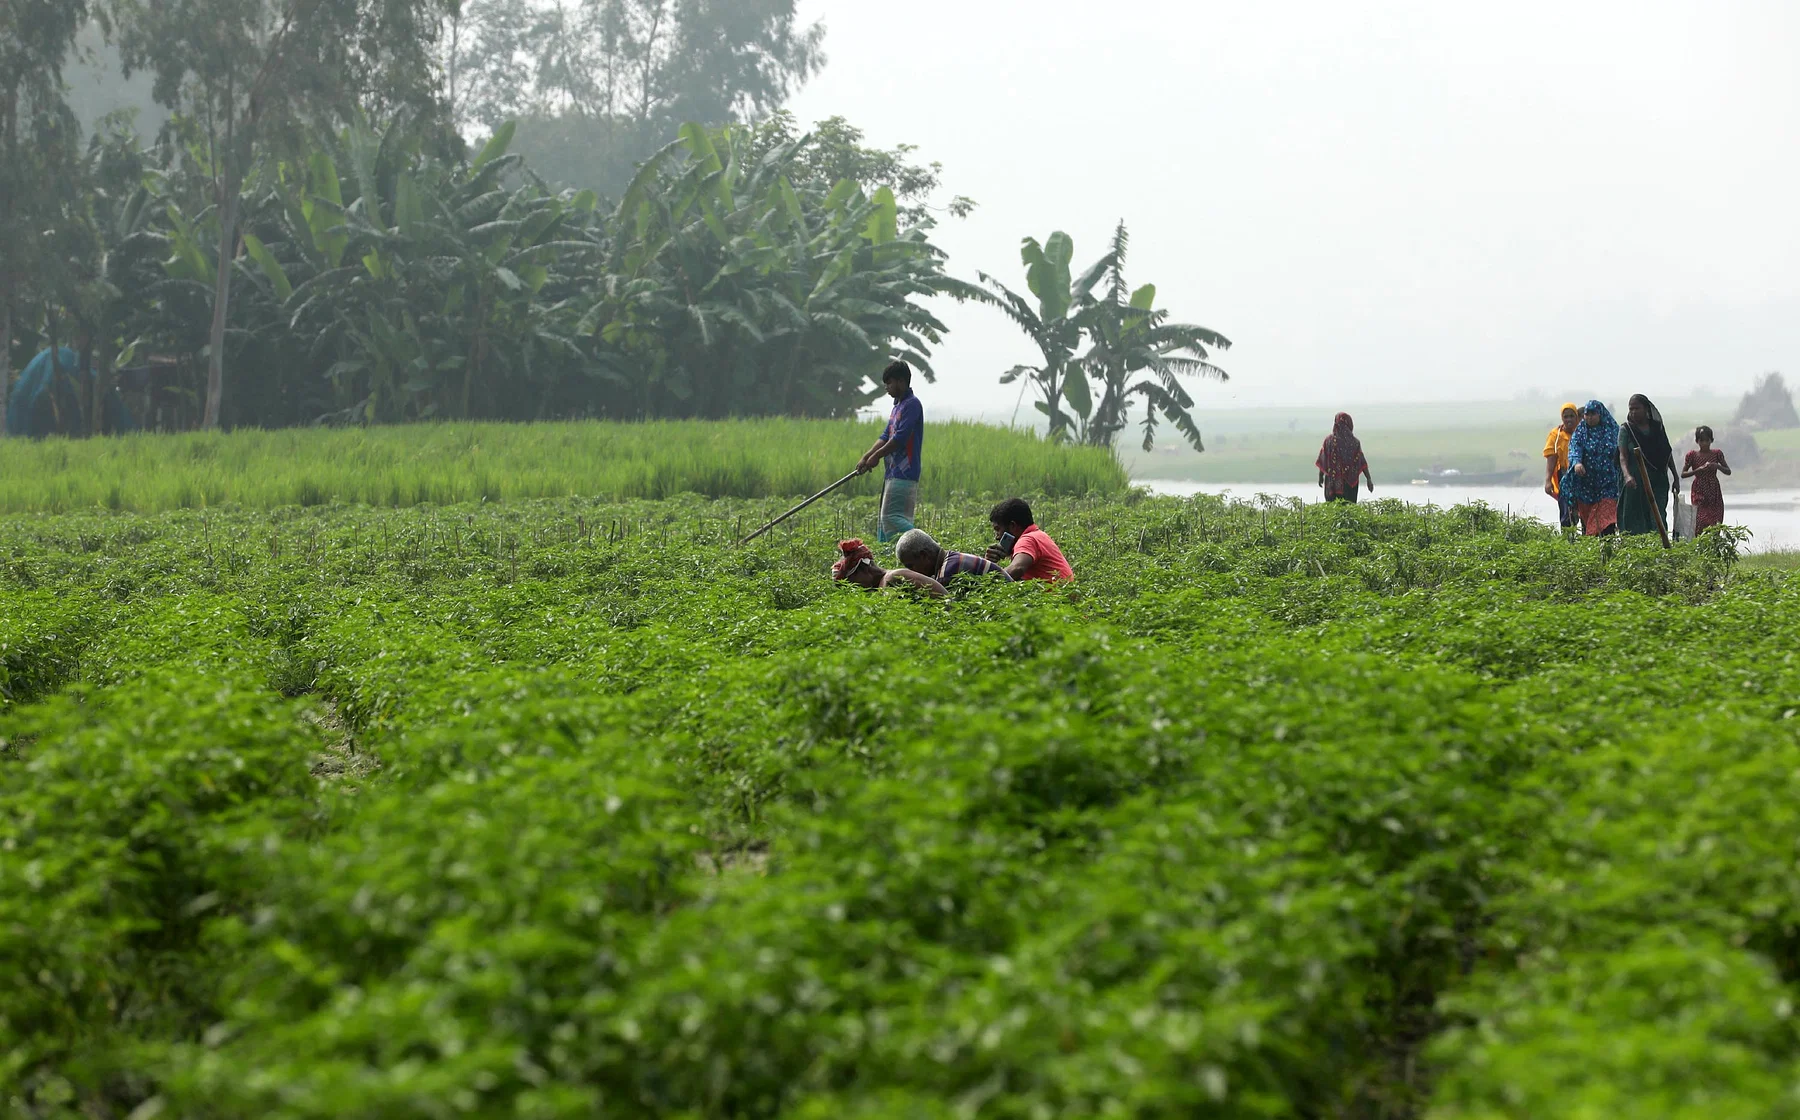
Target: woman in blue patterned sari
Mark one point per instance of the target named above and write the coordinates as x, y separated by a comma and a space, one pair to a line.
1594, 477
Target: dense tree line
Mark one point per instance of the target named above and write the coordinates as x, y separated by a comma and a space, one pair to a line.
309, 237
382, 275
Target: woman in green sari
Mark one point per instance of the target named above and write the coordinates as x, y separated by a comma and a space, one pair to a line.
1650, 468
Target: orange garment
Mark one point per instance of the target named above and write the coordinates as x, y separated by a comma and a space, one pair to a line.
1556, 446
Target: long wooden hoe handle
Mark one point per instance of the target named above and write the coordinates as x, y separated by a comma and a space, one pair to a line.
799, 507
1648, 490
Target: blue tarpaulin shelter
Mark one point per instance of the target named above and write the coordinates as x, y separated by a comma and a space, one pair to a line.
44, 402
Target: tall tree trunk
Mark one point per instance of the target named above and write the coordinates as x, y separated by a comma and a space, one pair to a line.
103, 388
215, 356
8, 203
84, 384
477, 351
6, 308
55, 366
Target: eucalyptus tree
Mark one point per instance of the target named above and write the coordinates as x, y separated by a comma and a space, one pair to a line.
833, 150
38, 142
597, 86
248, 77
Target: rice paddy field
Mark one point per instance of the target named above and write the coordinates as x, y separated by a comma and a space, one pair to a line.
446, 464
566, 806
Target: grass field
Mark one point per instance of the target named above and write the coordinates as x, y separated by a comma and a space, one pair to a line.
569, 808
1775, 560
444, 464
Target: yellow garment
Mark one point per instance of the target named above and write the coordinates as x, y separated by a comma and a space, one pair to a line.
1556, 446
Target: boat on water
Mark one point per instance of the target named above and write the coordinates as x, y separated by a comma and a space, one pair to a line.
1455, 477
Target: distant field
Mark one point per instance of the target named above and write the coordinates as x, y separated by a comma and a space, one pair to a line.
1280, 445
1780, 560
442, 464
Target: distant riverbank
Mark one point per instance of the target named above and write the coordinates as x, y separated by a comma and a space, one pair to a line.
1401, 442
1772, 516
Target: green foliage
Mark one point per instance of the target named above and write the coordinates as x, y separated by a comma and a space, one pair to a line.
1338, 811
249, 81
739, 289
444, 464
833, 151
39, 156
385, 279
596, 88
1127, 335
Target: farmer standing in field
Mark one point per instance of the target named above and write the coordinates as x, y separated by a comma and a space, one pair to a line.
899, 444
1556, 462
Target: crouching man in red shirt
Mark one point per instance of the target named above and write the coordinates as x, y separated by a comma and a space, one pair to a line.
1026, 550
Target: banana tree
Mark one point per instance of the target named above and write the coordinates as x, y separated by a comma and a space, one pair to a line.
734, 287
1053, 324
423, 289
1127, 336
375, 279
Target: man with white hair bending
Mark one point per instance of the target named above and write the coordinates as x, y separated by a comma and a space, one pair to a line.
919, 553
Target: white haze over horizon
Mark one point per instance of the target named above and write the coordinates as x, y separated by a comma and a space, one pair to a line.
1376, 201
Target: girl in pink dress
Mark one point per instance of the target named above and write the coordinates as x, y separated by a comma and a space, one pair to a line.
1703, 466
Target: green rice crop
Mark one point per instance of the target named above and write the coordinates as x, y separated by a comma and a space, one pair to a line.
444, 464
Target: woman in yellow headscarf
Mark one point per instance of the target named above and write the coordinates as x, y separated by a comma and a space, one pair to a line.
1556, 462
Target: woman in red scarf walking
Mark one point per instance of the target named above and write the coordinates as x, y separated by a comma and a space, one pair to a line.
1341, 461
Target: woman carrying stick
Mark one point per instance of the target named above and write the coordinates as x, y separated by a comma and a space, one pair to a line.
1648, 465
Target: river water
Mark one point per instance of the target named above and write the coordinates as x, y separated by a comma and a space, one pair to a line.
1772, 516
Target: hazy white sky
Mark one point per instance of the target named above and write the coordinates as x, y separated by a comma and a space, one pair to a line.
1374, 199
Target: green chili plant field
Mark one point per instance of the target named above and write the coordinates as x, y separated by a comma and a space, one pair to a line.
569, 809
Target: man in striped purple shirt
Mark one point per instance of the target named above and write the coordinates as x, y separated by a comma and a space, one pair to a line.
919, 553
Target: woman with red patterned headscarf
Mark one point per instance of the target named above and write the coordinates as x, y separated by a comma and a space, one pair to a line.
1341, 460
856, 564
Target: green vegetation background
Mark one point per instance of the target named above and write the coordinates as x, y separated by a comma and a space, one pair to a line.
444, 464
